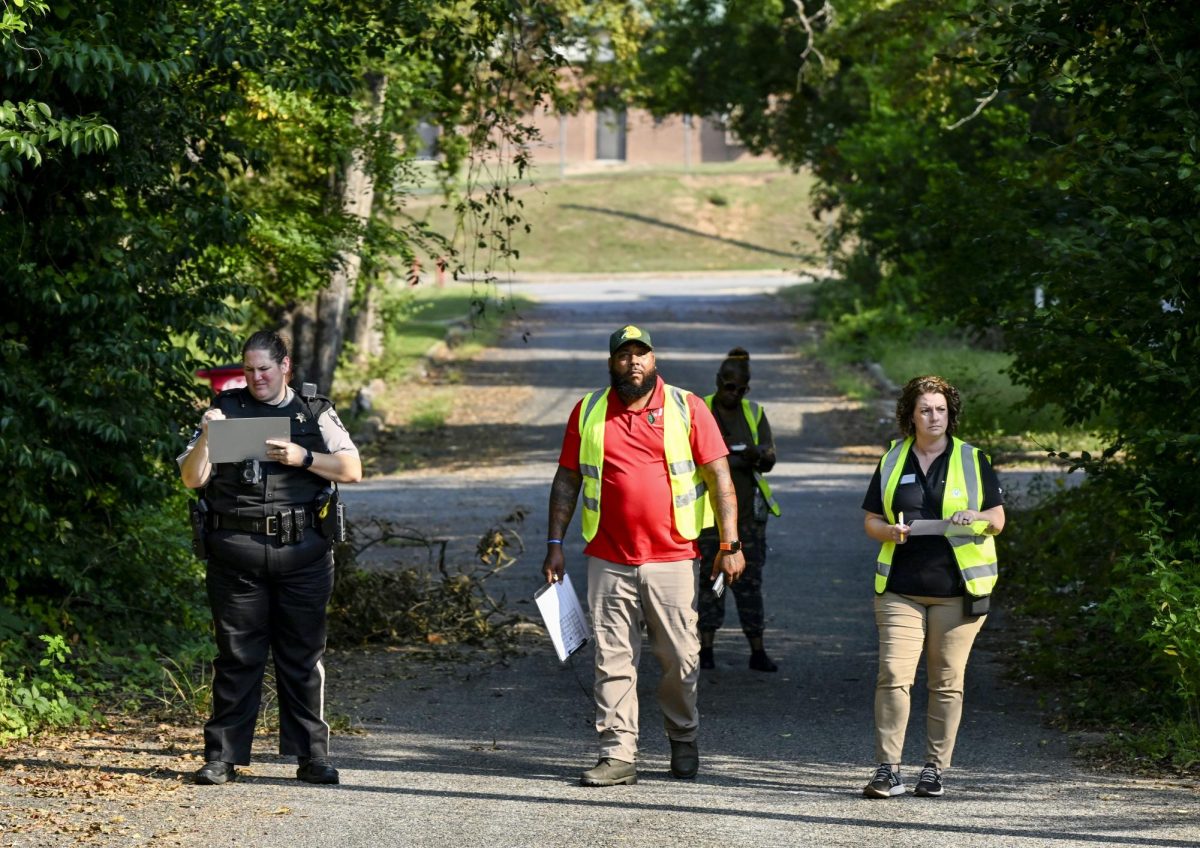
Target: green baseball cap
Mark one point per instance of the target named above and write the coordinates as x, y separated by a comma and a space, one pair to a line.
628, 334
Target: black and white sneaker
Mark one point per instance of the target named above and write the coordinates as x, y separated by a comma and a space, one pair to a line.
929, 784
885, 784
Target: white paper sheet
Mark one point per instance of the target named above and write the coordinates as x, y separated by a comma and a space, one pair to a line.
563, 616
925, 527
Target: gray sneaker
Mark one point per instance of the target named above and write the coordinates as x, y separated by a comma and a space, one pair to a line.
609, 772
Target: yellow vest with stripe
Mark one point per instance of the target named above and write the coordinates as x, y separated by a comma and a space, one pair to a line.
688, 490
754, 414
975, 555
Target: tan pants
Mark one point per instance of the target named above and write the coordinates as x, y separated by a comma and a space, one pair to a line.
621, 598
908, 623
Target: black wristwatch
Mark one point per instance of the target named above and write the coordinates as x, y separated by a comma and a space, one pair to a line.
730, 547
308, 458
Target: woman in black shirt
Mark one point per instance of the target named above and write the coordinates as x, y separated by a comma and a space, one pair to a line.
931, 590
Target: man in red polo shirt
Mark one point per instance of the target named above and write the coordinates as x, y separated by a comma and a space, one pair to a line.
650, 461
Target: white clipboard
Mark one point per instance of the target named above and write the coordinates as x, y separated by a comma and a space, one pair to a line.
236, 439
563, 616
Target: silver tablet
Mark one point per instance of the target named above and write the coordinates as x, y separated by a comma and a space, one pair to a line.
235, 439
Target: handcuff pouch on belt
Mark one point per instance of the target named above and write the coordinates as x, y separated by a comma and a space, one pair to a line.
286, 525
329, 514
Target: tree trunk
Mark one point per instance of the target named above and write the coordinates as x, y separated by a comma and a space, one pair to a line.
357, 196
303, 327
362, 332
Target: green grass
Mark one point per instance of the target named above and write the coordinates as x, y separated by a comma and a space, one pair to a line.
995, 413
417, 318
431, 413
713, 218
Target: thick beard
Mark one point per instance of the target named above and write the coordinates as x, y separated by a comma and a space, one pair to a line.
628, 392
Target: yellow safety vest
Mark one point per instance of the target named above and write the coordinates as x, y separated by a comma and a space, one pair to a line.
754, 414
688, 490
975, 555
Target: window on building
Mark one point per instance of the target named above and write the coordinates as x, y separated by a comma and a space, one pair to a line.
610, 134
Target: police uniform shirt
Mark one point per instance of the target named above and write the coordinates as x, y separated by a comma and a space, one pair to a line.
925, 565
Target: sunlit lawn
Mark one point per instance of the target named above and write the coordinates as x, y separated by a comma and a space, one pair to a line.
712, 218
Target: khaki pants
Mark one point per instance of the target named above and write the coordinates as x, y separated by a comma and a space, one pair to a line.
621, 598
908, 623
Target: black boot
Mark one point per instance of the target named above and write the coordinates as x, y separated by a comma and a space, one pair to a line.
316, 770
759, 661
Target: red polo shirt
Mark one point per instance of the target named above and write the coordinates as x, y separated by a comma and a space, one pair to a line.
636, 516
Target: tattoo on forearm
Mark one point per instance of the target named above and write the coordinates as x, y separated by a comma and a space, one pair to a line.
564, 492
724, 498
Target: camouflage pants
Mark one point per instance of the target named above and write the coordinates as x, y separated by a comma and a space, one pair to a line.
747, 591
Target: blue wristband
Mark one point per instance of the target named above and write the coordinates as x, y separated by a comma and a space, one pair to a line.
554, 541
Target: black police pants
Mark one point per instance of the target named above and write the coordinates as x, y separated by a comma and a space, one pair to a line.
268, 597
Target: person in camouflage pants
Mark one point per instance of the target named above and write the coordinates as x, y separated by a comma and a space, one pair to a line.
747, 591
751, 454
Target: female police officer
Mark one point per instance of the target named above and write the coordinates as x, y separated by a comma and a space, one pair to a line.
270, 567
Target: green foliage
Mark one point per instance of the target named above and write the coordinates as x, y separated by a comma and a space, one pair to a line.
46, 696
112, 256
1061, 554
1157, 600
165, 176
1107, 598
997, 413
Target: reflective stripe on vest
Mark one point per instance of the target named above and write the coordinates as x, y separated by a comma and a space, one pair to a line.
754, 414
975, 555
688, 490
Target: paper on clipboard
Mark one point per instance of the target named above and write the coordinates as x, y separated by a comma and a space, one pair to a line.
563, 617
926, 527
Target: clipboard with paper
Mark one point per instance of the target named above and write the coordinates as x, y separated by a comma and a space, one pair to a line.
927, 527
563, 617
238, 439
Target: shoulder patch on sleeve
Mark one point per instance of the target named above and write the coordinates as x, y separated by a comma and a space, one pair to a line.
333, 416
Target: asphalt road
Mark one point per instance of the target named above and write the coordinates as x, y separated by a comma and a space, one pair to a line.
490, 756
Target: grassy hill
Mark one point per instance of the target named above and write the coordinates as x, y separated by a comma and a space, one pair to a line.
715, 217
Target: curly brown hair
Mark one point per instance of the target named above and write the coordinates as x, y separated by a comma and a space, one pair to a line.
911, 393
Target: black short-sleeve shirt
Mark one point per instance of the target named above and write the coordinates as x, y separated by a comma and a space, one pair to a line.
925, 565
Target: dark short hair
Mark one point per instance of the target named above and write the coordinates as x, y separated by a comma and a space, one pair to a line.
270, 341
930, 384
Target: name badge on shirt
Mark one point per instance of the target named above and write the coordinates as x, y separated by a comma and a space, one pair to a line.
905, 479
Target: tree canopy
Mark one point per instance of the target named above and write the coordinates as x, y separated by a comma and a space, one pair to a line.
171, 173
1027, 166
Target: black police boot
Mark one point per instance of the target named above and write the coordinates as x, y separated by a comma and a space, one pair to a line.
316, 770
216, 772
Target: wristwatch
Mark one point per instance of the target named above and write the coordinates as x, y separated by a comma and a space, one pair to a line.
308, 457
732, 547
